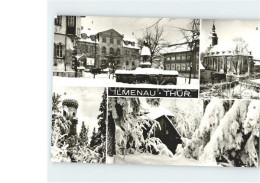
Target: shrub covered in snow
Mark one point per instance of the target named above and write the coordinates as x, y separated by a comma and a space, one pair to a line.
134, 131
235, 141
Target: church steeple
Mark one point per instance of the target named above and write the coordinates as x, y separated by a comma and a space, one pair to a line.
213, 36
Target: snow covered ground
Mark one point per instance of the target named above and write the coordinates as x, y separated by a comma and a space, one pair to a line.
102, 80
150, 159
256, 81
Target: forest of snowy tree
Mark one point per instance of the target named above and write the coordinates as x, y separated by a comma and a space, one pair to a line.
69, 146
227, 135
213, 132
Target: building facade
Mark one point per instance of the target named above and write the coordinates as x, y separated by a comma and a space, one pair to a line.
88, 47
180, 58
107, 49
67, 32
220, 62
131, 55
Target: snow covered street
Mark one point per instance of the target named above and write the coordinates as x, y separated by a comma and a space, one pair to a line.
102, 80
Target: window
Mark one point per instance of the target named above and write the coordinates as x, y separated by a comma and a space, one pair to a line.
173, 67
111, 40
183, 56
111, 51
127, 63
59, 50
58, 20
118, 41
177, 67
188, 67
133, 63
103, 62
183, 67
173, 57
93, 49
118, 51
92, 37
168, 67
104, 40
167, 58
87, 49
104, 50
178, 56
188, 56
71, 21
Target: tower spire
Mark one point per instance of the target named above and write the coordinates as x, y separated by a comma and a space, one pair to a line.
213, 35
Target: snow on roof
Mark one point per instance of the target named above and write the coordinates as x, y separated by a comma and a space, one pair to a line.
131, 40
88, 40
156, 112
225, 49
201, 66
175, 48
257, 63
145, 51
88, 31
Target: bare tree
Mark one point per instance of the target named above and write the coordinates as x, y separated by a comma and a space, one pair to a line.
155, 39
191, 35
240, 47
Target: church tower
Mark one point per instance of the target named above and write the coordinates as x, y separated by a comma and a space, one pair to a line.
213, 36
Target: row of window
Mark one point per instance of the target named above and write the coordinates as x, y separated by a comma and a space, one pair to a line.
221, 64
111, 40
181, 56
111, 51
131, 52
71, 21
88, 48
180, 67
116, 41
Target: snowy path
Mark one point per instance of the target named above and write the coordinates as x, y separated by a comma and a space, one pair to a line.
102, 80
149, 159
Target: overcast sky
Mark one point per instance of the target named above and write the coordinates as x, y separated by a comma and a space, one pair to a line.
89, 100
133, 27
227, 30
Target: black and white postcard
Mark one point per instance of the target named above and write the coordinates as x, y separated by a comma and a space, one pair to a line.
155, 91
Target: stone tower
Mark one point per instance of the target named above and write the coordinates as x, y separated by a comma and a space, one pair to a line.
70, 107
213, 36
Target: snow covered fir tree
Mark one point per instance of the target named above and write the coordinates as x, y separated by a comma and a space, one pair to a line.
183, 132
71, 142
228, 134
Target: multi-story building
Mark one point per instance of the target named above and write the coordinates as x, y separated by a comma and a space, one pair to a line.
223, 60
110, 48
105, 48
181, 58
88, 47
67, 32
131, 55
